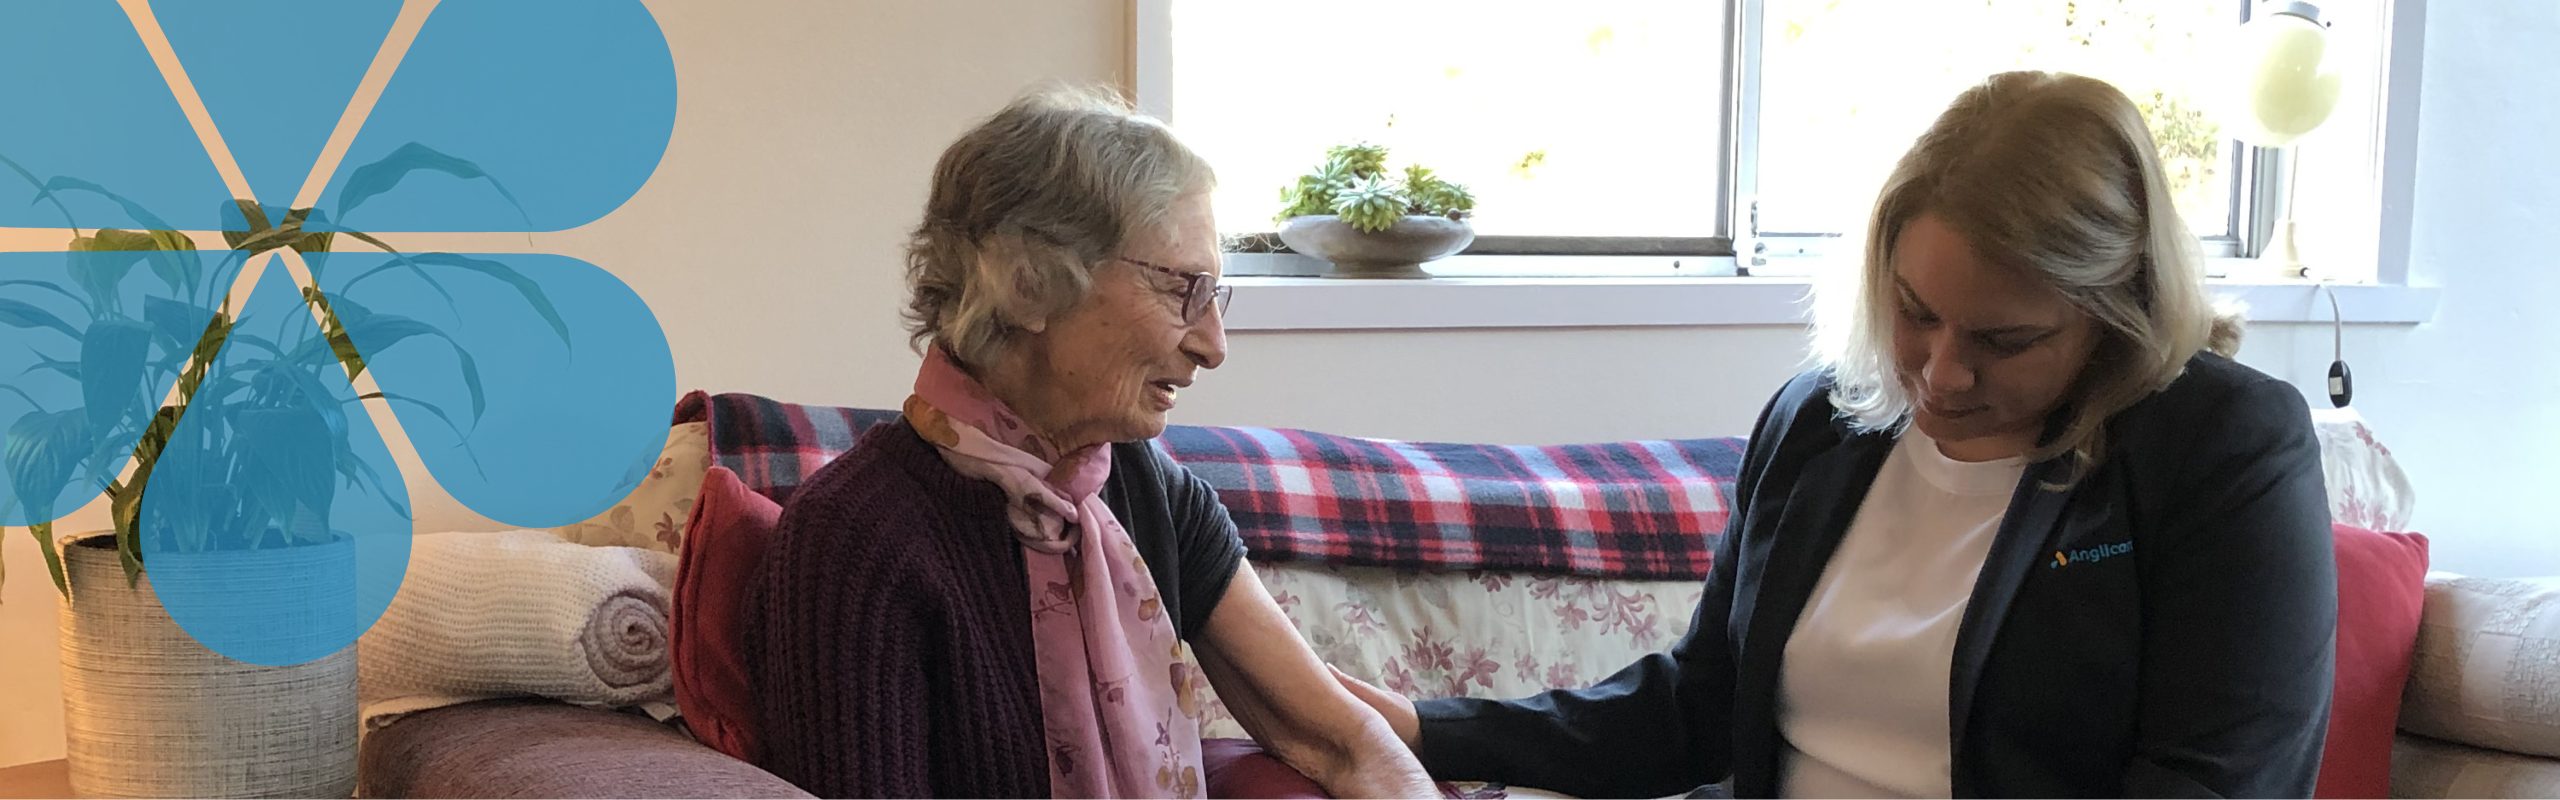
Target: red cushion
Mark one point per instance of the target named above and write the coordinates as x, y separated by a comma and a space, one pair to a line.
2381, 586
724, 544
1238, 768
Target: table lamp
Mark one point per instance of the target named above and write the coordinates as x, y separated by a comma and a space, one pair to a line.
2287, 87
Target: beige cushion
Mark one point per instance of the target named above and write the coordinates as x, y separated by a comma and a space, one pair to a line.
2423, 767
653, 516
2487, 671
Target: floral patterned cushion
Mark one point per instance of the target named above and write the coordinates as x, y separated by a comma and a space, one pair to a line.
2366, 487
1477, 634
653, 516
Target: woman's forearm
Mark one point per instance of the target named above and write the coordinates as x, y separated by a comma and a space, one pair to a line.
1371, 762
1289, 701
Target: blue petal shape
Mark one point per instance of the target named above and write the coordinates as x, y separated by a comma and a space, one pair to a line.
512, 116
276, 75
535, 387
275, 527
90, 116
90, 343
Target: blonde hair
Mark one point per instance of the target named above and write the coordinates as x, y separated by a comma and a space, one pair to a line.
2055, 176
1024, 205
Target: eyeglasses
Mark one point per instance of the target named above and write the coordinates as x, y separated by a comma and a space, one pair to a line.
1199, 290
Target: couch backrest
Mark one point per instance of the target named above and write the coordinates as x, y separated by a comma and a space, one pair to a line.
1649, 510
1451, 569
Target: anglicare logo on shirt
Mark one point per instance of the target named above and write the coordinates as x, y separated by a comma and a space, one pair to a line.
2091, 555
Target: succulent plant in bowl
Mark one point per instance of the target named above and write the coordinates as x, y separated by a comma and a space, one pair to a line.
1371, 222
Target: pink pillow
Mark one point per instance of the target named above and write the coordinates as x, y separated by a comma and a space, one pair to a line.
2382, 583
1238, 768
724, 547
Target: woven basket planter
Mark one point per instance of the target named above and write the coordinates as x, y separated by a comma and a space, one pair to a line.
149, 712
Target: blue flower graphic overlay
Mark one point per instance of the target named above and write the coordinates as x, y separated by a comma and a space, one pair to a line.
570, 102
88, 107
275, 454
533, 387
274, 105
573, 395
88, 341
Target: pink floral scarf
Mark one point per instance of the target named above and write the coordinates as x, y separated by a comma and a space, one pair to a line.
1121, 707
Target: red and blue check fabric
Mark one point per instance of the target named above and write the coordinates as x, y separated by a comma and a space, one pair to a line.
1647, 510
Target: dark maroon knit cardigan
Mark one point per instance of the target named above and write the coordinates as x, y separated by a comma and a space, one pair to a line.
892, 648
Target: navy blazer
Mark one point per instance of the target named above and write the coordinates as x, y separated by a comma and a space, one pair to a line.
2165, 627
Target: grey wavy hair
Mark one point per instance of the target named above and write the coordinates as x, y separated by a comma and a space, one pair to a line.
1026, 204
2056, 176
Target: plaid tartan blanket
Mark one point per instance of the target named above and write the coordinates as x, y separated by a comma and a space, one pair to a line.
1648, 510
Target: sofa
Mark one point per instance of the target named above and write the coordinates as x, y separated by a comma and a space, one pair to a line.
1488, 571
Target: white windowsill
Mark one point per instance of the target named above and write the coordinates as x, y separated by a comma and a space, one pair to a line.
1312, 304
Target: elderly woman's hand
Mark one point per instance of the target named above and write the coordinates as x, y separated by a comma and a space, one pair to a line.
1396, 708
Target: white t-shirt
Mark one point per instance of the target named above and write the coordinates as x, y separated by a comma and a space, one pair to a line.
1863, 689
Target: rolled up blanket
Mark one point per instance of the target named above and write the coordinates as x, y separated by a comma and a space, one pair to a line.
515, 613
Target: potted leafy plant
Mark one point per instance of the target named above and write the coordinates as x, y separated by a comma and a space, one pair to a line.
260, 432
1371, 222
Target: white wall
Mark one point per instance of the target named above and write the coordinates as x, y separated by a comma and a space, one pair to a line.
2470, 403
766, 240
766, 243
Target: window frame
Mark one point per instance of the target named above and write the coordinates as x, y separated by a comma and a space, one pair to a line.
2257, 173
2247, 229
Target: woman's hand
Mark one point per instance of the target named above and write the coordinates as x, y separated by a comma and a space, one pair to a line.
1396, 708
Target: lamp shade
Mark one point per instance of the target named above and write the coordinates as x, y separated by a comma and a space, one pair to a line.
2287, 85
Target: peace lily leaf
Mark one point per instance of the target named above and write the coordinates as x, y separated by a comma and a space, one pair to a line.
17, 314
181, 323
380, 176
176, 271
99, 263
401, 259
137, 212
42, 194
50, 286
112, 358
312, 396
524, 286
43, 531
286, 457
251, 213
43, 451
431, 408
67, 369
22, 393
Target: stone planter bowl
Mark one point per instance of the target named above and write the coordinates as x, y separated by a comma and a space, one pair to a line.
1397, 252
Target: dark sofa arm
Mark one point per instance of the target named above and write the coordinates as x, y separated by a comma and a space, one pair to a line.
542, 748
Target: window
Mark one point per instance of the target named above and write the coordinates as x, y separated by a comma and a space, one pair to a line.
2335, 171
1596, 119
1680, 126
1846, 84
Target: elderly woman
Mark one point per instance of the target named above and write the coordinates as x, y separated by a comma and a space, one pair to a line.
990, 596
2022, 535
